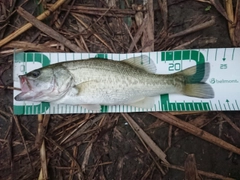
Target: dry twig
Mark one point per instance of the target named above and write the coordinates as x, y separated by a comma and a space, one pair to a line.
148, 33
29, 25
146, 138
229, 121
206, 174
191, 172
22, 137
91, 30
194, 28
164, 10
47, 30
196, 131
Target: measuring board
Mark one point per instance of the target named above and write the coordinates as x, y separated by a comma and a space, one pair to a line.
224, 78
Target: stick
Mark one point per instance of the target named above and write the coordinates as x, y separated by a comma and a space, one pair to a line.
166, 117
69, 156
195, 28
148, 34
230, 122
28, 25
138, 34
230, 15
43, 175
47, 30
26, 46
22, 137
91, 30
97, 10
164, 10
191, 168
146, 138
42, 126
204, 173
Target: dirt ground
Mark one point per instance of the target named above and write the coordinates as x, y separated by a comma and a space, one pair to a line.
104, 146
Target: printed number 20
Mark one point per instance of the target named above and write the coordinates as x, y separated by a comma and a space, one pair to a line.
174, 67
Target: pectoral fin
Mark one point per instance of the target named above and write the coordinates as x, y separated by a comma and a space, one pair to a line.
146, 103
85, 85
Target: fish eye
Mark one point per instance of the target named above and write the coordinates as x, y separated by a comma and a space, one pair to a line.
35, 73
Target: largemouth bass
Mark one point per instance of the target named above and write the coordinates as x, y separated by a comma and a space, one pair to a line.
95, 82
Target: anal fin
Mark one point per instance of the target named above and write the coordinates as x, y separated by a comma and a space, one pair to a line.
146, 103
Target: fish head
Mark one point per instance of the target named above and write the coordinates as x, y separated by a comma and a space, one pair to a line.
44, 84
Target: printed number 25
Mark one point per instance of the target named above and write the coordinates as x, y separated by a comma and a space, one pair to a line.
174, 67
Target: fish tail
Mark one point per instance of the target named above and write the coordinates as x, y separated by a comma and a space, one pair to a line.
195, 78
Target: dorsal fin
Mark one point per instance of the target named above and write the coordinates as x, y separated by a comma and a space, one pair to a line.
142, 62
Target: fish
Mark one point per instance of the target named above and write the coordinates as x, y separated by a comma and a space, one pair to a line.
93, 82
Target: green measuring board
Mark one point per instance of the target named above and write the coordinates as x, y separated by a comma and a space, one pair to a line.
224, 78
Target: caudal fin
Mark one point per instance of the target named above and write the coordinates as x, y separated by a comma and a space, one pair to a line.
201, 90
195, 78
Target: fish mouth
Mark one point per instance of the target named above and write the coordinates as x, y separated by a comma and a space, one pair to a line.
25, 88
25, 85
28, 93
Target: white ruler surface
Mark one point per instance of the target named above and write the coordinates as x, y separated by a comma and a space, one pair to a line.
224, 79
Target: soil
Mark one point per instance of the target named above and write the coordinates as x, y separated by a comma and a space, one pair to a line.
115, 150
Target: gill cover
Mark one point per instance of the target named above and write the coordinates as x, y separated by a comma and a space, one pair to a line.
45, 84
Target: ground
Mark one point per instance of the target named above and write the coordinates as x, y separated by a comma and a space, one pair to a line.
104, 146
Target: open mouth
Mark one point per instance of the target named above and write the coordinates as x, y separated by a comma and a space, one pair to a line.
25, 86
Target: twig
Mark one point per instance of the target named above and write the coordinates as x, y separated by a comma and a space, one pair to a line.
78, 43
145, 141
20, 131
42, 125
84, 43
47, 30
148, 172
99, 11
5, 113
71, 120
191, 168
230, 122
194, 28
126, 27
184, 46
207, 174
43, 173
164, 10
230, 15
29, 25
166, 117
148, 34
9, 144
138, 34
8, 87
67, 154
67, 13
170, 136
26, 46
95, 34
146, 138
237, 24
86, 156
73, 131
75, 149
